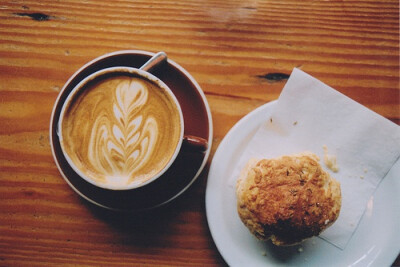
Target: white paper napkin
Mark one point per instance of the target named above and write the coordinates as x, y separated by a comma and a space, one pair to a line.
310, 115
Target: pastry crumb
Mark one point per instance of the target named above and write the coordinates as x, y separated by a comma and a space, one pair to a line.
264, 253
330, 160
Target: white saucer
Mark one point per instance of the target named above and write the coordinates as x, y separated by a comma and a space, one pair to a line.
376, 241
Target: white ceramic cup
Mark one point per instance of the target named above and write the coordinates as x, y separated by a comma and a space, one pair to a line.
198, 143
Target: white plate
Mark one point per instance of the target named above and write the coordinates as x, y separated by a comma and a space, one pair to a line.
376, 242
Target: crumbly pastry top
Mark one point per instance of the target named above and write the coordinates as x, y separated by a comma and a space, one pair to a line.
287, 199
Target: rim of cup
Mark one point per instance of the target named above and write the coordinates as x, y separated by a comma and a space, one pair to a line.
122, 69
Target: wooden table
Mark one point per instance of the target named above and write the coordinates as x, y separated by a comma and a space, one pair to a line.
240, 52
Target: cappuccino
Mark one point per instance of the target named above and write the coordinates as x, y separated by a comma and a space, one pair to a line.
120, 129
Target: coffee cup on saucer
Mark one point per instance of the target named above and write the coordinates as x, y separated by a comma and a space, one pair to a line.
120, 129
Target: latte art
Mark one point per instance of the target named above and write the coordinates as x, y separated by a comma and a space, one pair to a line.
121, 145
121, 130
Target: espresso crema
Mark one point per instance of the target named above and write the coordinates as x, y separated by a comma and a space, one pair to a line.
121, 130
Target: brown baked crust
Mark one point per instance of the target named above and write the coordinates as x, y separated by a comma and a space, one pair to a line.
287, 199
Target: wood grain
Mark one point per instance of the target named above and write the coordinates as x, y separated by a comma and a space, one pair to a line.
240, 52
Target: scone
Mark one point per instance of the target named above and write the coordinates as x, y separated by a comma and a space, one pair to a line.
287, 199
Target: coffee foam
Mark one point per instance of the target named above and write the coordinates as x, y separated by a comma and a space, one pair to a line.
121, 130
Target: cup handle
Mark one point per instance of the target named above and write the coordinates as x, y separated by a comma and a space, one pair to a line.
195, 143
